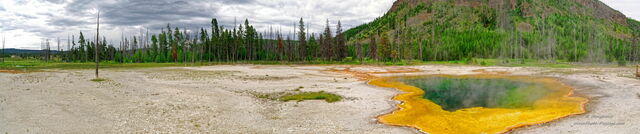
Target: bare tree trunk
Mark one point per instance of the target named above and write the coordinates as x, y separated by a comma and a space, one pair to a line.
433, 42
575, 46
67, 55
359, 51
48, 50
421, 50
59, 52
97, 46
2, 52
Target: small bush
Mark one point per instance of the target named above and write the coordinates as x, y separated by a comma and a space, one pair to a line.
622, 62
483, 63
468, 61
347, 59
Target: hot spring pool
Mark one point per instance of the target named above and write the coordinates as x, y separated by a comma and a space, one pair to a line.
478, 103
459, 93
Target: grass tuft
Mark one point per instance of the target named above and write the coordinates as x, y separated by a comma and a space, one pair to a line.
329, 97
98, 80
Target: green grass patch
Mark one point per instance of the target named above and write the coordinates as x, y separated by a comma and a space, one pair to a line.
329, 97
31, 65
35, 65
98, 80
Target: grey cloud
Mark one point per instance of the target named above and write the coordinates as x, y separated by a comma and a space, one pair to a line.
129, 16
157, 13
79, 7
67, 22
237, 1
21, 2
55, 1
26, 16
148, 13
44, 31
141, 12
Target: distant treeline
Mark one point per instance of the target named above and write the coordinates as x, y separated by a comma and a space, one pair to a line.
488, 33
214, 44
25, 53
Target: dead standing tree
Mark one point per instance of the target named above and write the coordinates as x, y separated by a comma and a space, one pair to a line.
59, 51
46, 49
359, 52
97, 57
2, 51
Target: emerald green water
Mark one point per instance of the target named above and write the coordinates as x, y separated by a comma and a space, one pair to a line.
460, 93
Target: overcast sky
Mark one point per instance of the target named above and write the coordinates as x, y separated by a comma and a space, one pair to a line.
25, 23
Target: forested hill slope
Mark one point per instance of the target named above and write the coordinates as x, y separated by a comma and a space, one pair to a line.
571, 30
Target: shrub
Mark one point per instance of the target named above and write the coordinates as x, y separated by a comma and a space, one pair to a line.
622, 62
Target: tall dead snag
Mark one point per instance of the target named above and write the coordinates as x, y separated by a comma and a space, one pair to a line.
97, 45
46, 48
373, 48
2, 51
280, 47
59, 51
359, 52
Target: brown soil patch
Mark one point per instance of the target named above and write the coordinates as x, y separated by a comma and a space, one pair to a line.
12, 71
362, 75
484, 71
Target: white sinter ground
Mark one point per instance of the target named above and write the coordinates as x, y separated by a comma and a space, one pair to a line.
222, 99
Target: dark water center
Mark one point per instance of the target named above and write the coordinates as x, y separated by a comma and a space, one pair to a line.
460, 93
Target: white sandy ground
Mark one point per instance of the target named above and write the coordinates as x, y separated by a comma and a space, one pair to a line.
220, 99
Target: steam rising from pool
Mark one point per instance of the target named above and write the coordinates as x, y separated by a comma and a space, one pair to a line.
460, 93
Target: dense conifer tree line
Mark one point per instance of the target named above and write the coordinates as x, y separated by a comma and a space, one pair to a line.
217, 44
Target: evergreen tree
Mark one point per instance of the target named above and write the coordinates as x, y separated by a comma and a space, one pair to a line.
340, 48
82, 54
327, 43
302, 39
312, 50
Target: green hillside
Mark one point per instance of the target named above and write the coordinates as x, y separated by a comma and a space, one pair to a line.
436, 30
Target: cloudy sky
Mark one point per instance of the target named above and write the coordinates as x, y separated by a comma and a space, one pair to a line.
25, 23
